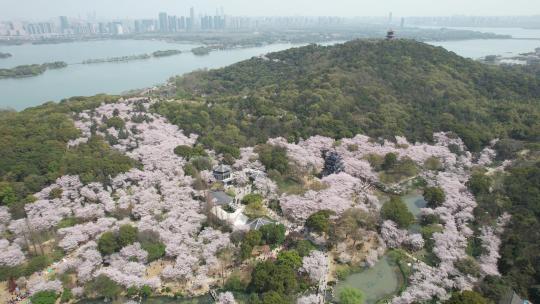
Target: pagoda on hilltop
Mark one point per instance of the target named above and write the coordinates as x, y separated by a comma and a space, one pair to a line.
390, 35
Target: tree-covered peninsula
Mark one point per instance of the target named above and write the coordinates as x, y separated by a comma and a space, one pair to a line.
156, 54
166, 53
4, 55
31, 69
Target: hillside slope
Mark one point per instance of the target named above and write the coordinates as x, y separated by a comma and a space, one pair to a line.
376, 87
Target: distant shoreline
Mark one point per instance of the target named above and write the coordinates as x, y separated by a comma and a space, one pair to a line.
227, 40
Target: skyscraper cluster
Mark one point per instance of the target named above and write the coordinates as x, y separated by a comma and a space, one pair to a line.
165, 23
172, 24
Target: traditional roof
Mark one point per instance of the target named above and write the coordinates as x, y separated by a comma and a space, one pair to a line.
222, 169
220, 198
258, 223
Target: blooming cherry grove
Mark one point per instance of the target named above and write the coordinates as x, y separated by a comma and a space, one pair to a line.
490, 237
343, 191
157, 197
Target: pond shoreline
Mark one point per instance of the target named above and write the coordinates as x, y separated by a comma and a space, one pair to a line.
374, 282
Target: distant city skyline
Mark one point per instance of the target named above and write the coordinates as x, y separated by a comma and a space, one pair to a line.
122, 9
166, 23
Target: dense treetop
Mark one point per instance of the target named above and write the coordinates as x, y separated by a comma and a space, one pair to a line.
33, 150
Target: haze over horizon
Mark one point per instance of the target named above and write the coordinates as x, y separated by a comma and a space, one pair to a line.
38, 9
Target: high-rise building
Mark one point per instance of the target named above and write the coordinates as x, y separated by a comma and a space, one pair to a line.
402, 22
41, 28
138, 26
64, 24
192, 18
102, 28
163, 22
173, 24
182, 23
390, 18
116, 28
145, 26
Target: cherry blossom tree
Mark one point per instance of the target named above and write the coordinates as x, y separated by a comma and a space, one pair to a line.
37, 284
491, 242
77, 292
265, 186
414, 241
315, 265
183, 268
10, 254
85, 260
342, 192
248, 160
360, 168
392, 235
226, 298
130, 276
486, 156
309, 299
78, 234
5, 217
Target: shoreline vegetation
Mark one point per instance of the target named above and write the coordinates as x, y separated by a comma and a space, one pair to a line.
31, 70
156, 54
5, 55
529, 58
228, 40
166, 53
117, 59
201, 51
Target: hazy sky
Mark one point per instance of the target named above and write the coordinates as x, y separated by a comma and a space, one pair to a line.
38, 9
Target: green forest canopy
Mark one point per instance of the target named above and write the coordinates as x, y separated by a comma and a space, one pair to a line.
375, 87
33, 150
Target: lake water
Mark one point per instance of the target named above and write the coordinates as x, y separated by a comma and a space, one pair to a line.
515, 32
528, 40
76, 52
113, 78
478, 48
415, 202
377, 282
206, 299
161, 300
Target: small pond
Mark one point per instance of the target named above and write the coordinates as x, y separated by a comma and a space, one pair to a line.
414, 201
161, 300
205, 299
377, 282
